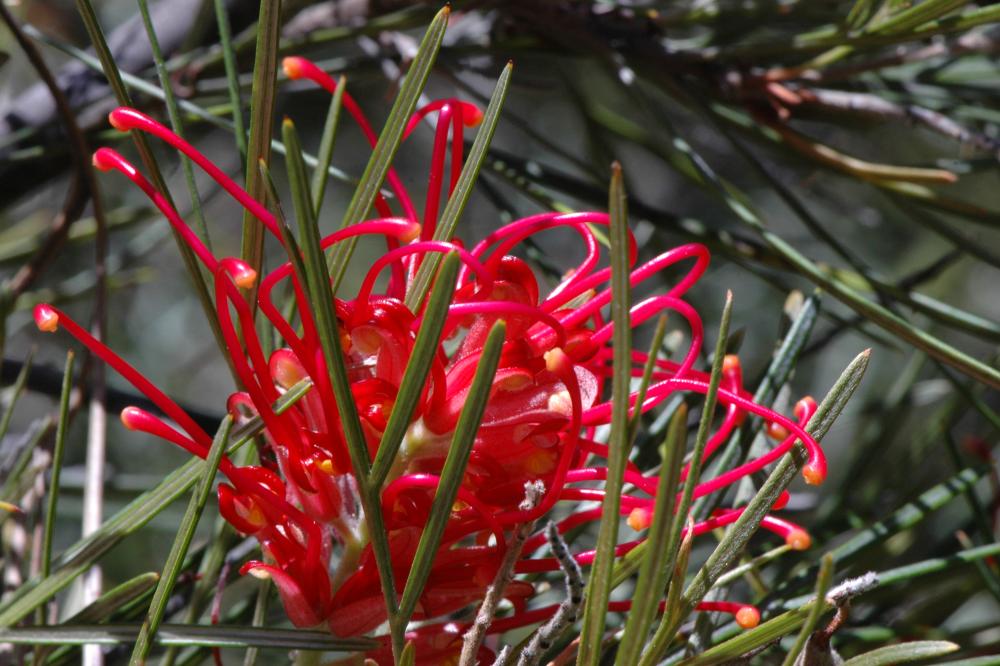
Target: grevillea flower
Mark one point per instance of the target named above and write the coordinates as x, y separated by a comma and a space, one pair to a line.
548, 399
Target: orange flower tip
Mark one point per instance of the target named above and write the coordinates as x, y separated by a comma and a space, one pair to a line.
46, 318
556, 360
130, 417
813, 474
798, 539
805, 406
412, 233
292, 66
244, 276
9, 508
326, 466
472, 116
640, 519
777, 431
730, 364
748, 617
286, 372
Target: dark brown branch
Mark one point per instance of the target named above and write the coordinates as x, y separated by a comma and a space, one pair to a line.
82, 184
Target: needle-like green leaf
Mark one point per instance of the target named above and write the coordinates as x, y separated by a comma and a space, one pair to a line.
453, 470
81, 555
445, 228
680, 518
178, 551
262, 96
389, 140
425, 347
599, 585
822, 585
324, 157
660, 554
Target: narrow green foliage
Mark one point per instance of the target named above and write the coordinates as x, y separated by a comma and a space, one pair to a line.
647, 375
937, 564
115, 598
99, 611
903, 653
324, 157
58, 449
176, 124
388, 141
262, 96
777, 374
178, 551
453, 471
860, 12
739, 533
913, 16
16, 390
186, 635
261, 604
232, 77
409, 656
599, 583
311, 269
314, 278
446, 226
81, 555
874, 312
425, 348
660, 556
743, 642
672, 616
815, 613
115, 79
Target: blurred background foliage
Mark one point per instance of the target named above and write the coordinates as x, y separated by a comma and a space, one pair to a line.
847, 149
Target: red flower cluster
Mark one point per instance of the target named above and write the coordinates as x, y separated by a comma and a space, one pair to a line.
547, 400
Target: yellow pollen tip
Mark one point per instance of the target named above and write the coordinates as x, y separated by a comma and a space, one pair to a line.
777, 431
640, 519
813, 475
748, 617
261, 573
731, 363
806, 403
292, 67
412, 233
46, 319
326, 466
245, 278
555, 359
798, 540
9, 508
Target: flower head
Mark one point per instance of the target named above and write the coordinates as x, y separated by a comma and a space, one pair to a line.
547, 400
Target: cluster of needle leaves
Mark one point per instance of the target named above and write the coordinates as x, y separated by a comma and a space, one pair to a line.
838, 158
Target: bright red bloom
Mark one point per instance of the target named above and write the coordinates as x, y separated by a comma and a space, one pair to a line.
547, 400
